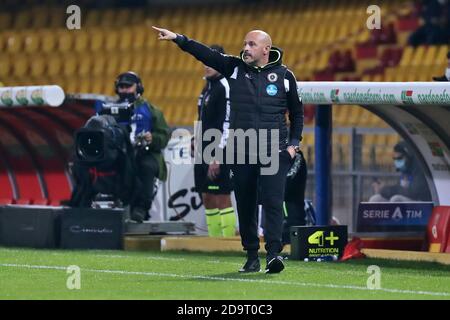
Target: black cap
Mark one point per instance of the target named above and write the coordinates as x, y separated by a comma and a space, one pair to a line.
402, 148
127, 78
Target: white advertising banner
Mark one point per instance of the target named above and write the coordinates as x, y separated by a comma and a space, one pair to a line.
31, 96
375, 93
176, 199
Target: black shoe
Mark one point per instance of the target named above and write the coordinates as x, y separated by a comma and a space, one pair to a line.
274, 265
441, 78
252, 265
138, 214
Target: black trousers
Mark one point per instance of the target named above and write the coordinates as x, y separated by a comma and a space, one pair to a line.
147, 171
251, 188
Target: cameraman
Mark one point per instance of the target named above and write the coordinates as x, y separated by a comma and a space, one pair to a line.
149, 134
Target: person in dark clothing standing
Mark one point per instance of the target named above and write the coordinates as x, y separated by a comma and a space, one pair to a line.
212, 180
294, 198
262, 90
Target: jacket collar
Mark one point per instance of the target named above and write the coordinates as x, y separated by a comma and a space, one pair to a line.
275, 59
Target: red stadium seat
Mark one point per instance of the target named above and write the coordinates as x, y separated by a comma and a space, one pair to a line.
24, 201
41, 202
4, 201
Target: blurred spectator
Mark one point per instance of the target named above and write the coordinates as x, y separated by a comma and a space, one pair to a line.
446, 76
412, 185
433, 30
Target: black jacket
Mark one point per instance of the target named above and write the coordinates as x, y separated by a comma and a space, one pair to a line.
416, 187
259, 96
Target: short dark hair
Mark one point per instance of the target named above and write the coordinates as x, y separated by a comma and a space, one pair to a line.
218, 48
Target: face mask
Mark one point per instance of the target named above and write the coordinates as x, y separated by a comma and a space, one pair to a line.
447, 73
400, 164
130, 97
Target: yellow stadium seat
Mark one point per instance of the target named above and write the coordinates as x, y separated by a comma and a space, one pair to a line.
31, 43
48, 41
54, 65
126, 38
97, 85
96, 39
20, 65
111, 67
14, 42
85, 64
71, 85
430, 56
5, 66
64, 41
407, 55
111, 41
125, 61
69, 65
37, 65
84, 85
418, 56
98, 65
81, 41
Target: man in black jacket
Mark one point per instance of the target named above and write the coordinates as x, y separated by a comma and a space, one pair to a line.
262, 90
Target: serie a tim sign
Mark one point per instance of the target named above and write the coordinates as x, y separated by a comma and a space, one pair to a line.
318, 242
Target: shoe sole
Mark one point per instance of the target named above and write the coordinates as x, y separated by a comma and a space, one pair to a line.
249, 271
274, 266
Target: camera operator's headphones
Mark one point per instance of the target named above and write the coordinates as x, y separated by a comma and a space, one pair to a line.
130, 76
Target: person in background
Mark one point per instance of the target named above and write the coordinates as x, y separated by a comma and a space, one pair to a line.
412, 185
212, 180
147, 127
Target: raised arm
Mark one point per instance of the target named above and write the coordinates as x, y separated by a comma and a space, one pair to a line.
225, 64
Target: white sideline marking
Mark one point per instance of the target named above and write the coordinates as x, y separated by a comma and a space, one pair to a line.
172, 275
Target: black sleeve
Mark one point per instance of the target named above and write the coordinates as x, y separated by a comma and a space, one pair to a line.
295, 108
223, 63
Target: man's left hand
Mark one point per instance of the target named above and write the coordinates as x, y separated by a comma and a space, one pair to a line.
148, 137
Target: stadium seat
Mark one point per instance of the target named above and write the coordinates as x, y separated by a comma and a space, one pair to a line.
38, 66
5, 201
41, 202
31, 43
65, 41
23, 201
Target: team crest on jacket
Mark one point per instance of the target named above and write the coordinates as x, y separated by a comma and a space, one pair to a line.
271, 89
272, 77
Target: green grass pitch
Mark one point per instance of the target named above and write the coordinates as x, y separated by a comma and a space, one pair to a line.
42, 274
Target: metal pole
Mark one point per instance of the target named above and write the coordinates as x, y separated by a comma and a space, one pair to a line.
323, 163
